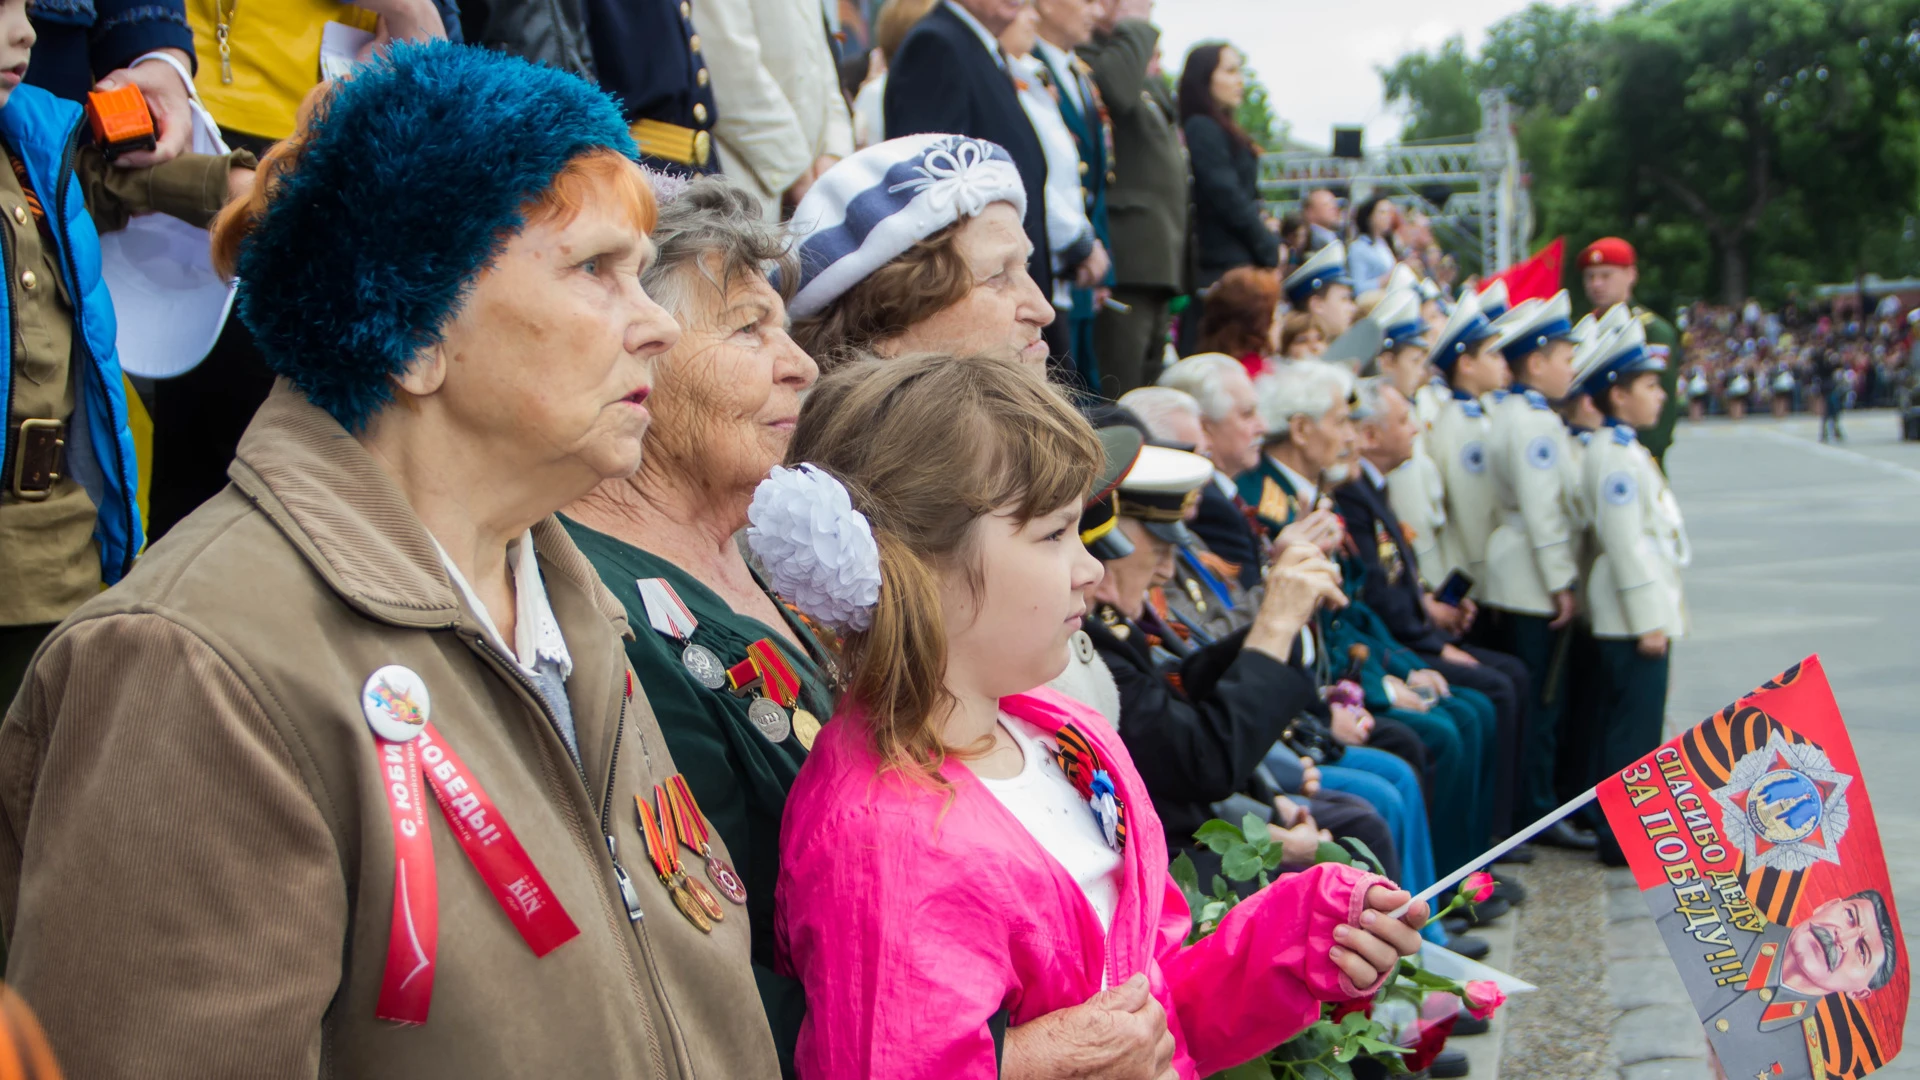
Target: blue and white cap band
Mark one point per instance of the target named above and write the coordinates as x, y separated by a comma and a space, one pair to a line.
869, 209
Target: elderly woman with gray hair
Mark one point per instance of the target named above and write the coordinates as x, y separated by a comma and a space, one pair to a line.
740, 681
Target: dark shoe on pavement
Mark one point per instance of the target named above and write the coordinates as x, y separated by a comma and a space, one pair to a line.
1472, 948
1491, 909
1508, 888
1467, 1024
1449, 1063
1565, 834
1519, 856
1455, 924
1611, 855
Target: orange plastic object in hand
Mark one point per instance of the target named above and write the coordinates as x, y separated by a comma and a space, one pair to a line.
120, 120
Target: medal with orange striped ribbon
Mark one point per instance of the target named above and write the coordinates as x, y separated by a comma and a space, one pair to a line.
691, 826
665, 856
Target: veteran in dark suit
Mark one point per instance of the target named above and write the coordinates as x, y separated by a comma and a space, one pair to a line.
951, 77
1146, 197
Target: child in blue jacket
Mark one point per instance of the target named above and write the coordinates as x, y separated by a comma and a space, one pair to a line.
69, 523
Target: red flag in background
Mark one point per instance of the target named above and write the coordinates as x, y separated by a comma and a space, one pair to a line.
1536, 278
1753, 841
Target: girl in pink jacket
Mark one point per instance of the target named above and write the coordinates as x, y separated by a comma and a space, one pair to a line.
961, 851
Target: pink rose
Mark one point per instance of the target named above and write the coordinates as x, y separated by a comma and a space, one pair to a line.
1483, 999
1478, 886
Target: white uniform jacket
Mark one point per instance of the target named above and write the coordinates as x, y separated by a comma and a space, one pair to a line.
1459, 445
1415, 490
1640, 540
1530, 555
776, 89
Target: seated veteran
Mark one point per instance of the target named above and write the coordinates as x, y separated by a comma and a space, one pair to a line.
1203, 601
1197, 738
1230, 418
913, 245
218, 831
739, 682
1379, 759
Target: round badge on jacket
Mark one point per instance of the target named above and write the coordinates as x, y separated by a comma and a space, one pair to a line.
1474, 457
1619, 489
396, 703
1541, 452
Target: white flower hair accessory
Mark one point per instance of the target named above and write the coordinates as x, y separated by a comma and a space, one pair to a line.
817, 548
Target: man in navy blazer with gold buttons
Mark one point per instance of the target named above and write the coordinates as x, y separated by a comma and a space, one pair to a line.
950, 77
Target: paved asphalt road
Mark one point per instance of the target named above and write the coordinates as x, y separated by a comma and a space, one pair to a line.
1802, 548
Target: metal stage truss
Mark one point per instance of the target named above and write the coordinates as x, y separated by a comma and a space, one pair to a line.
1474, 193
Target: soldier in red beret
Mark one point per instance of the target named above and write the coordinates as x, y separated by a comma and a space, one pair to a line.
1607, 270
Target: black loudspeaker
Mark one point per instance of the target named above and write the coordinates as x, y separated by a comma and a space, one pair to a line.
1346, 142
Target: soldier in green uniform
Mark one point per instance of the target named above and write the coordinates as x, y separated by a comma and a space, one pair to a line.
1608, 271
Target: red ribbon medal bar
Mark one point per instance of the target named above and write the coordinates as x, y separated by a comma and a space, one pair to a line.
767, 671
397, 706
692, 828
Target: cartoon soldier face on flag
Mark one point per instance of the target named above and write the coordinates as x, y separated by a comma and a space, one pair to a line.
1754, 845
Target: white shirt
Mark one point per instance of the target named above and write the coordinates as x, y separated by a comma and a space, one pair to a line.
536, 633
1066, 206
1374, 475
1308, 493
869, 113
1061, 61
986, 36
1043, 800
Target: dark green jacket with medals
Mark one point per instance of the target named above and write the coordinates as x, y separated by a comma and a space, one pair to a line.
740, 778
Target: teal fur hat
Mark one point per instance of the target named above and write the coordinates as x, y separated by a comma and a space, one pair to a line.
410, 184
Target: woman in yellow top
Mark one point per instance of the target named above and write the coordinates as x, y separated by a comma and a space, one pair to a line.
258, 58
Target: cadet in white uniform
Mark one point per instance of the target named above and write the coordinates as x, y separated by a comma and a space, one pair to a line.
1322, 289
1414, 489
1468, 357
1640, 546
1532, 571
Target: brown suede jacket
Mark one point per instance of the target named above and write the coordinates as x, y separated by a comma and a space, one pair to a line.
196, 856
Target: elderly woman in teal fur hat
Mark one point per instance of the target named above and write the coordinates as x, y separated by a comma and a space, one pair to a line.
345, 778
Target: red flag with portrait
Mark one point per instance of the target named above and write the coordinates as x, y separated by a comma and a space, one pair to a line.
1753, 840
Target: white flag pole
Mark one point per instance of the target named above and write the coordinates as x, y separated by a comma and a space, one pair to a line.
1500, 849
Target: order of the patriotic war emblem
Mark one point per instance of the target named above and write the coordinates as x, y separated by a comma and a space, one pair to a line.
1785, 806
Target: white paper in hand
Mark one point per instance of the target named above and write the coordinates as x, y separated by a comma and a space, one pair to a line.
167, 300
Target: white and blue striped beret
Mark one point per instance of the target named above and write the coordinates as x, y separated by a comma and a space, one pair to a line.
872, 207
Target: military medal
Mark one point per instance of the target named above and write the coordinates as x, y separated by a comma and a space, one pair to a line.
770, 680
690, 826
806, 728
665, 856
669, 615
669, 809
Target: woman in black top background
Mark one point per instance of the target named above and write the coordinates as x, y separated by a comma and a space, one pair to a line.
1228, 226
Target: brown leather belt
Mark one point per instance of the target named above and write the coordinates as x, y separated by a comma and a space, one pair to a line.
39, 458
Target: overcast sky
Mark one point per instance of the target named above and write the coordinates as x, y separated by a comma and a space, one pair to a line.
1317, 57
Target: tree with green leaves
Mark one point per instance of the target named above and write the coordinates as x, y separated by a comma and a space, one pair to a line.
1741, 145
1256, 115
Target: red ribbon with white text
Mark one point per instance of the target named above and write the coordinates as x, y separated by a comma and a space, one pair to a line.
496, 854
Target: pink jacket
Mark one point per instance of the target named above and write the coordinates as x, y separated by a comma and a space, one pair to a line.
911, 921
